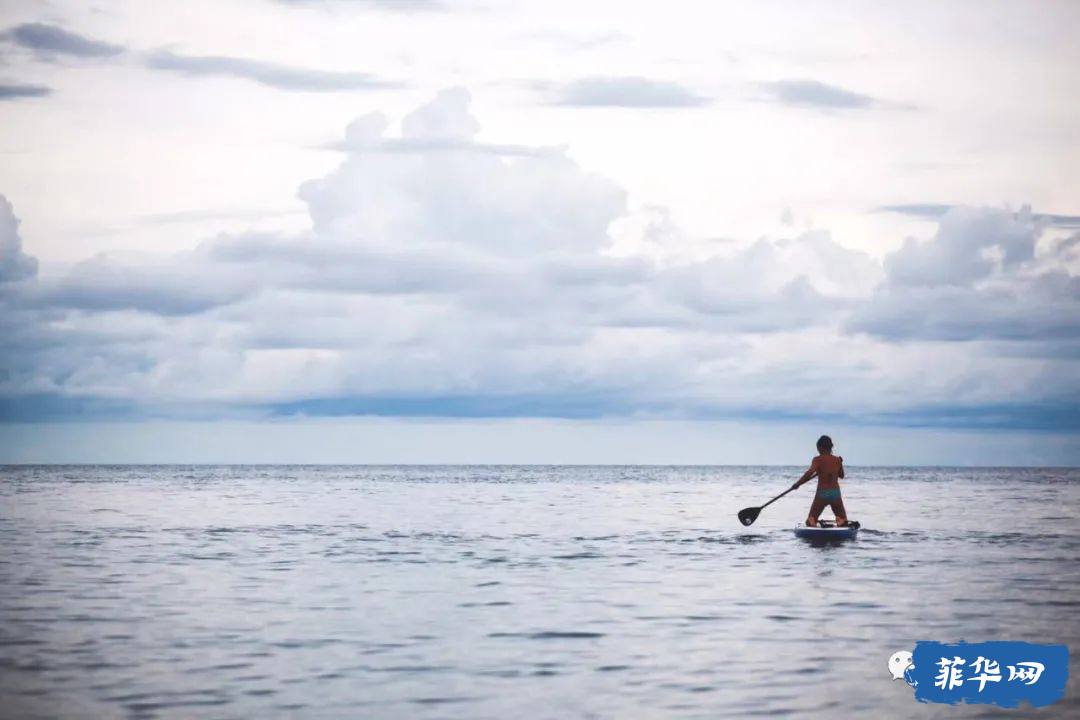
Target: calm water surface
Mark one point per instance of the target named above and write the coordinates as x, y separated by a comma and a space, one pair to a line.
513, 592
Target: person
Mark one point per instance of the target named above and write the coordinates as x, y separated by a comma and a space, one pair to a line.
829, 469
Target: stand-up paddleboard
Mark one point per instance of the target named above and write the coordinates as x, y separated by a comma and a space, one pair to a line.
827, 531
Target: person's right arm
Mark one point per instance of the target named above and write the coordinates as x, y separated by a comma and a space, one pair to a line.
811, 472
841, 459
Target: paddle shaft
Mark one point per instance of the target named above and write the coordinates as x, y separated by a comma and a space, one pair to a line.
775, 499
747, 516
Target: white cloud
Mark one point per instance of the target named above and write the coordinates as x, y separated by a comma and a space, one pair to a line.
448, 278
982, 276
14, 263
971, 244
451, 194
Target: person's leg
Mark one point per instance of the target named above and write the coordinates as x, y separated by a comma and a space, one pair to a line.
837, 506
815, 509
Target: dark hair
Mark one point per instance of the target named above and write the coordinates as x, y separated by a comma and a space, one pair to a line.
824, 442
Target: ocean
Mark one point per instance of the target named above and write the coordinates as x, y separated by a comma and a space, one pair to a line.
514, 592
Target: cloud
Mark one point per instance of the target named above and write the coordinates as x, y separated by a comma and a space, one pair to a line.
445, 277
811, 93
625, 92
935, 211
931, 211
970, 244
428, 132
983, 276
1057, 415
449, 272
477, 200
14, 263
772, 285
1040, 310
50, 40
10, 91
282, 77
178, 287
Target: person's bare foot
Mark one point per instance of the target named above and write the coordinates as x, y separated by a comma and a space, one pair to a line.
811, 522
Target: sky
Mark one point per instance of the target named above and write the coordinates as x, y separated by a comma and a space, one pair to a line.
539, 231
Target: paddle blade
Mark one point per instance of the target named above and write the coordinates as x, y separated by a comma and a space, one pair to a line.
747, 516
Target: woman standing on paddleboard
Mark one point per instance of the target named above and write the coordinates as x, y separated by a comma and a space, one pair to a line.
829, 469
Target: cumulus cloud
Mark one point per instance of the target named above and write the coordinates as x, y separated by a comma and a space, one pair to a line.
970, 244
282, 77
812, 93
625, 92
16, 91
477, 200
983, 276
50, 41
14, 263
774, 285
451, 272
447, 276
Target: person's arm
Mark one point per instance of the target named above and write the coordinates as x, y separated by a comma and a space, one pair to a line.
811, 472
841, 459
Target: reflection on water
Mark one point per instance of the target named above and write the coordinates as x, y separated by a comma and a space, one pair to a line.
489, 592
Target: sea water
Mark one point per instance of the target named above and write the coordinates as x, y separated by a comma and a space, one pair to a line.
513, 592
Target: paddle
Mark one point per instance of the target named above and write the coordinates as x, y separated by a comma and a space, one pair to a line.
747, 516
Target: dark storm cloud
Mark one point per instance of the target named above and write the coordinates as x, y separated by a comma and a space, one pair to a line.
626, 92
52, 40
282, 77
16, 91
811, 93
